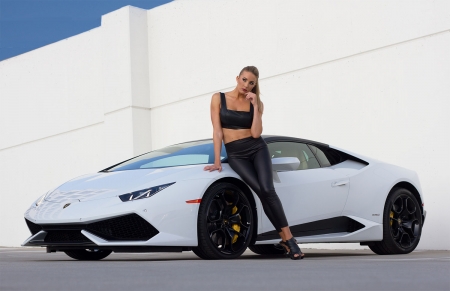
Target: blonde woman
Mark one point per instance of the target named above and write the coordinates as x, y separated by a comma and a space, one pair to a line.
237, 120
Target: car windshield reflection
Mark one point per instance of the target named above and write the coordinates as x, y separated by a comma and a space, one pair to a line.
183, 154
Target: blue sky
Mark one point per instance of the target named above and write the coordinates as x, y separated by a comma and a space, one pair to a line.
29, 24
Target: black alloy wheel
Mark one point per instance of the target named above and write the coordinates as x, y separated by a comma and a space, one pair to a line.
225, 223
402, 224
88, 254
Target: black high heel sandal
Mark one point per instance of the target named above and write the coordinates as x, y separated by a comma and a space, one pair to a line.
293, 249
283, 245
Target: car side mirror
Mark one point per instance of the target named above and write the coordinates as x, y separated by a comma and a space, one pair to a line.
285, 164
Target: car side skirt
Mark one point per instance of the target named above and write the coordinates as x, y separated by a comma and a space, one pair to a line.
336, 229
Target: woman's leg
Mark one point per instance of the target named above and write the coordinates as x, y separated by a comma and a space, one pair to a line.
263, 168
261, 181
245, 169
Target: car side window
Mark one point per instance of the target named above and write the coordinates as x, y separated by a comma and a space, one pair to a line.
294, 149
320, 155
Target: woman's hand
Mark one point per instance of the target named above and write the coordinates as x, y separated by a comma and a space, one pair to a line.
252, 97
216, 166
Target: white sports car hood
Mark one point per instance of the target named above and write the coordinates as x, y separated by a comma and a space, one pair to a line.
109, 184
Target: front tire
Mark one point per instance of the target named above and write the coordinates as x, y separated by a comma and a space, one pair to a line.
402, 224
88, 255
224, 224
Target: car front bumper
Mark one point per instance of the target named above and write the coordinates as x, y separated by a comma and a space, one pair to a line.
169, 220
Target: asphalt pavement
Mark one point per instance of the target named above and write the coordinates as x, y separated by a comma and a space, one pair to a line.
34, 269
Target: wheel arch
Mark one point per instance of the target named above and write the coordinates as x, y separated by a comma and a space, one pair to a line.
414, 191
248, 194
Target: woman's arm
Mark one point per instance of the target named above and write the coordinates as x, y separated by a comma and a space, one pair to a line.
257, 128
217, 132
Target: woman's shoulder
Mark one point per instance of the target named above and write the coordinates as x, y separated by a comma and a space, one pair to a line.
216, 96
215, 99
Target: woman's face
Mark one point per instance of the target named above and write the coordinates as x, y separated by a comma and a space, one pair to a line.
246, 82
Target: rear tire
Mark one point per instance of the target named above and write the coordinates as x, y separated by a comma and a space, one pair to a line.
267, 250
402, 224
88, 255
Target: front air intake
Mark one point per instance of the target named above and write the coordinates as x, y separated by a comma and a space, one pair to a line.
33, 227
128, 227
65, 236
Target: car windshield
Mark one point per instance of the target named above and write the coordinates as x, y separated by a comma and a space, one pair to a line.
183, 154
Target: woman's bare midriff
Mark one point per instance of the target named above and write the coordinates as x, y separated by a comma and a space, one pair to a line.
230, 135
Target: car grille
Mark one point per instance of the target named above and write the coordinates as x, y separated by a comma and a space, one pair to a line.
65, 236
129, 227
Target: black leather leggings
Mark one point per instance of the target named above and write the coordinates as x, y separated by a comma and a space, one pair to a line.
250, 159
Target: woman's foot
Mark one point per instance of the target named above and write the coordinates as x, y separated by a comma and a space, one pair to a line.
283, 245
292, 249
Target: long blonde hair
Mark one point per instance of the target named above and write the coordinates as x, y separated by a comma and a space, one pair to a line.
254, 71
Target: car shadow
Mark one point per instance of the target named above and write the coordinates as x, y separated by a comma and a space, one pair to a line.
167, 257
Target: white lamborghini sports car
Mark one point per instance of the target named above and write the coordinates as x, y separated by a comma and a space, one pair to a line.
163, 201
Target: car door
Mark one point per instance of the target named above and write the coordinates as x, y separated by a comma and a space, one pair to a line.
311, 192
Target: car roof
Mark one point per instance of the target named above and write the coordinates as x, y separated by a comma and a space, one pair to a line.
273, 138
280, 138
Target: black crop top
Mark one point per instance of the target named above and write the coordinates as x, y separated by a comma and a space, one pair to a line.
233, 119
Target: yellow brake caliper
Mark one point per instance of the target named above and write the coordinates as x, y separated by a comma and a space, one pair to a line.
235, 226
391, 215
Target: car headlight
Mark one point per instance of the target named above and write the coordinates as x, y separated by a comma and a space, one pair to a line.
144, 193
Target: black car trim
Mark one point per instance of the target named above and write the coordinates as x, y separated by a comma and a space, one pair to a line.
324, 226
122, 249
129, 227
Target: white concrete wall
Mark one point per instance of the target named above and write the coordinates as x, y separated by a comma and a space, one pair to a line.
71, 108
369, 76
